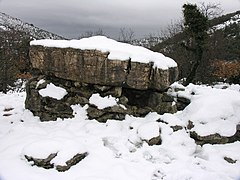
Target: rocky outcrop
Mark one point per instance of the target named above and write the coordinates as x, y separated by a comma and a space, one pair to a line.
138, 87
94, 67
128, 101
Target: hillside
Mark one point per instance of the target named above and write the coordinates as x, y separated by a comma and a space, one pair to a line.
15, 36
8, 23
223, 44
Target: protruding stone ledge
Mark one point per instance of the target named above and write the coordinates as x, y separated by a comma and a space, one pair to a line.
93, 66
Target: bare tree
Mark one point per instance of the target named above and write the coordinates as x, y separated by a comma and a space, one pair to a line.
175, 27
152, 40
126, 35
211, 10
87, 34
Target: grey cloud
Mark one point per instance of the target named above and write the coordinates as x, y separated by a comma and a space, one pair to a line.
72, 17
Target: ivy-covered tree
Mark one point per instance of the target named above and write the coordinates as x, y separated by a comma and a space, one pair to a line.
14, 60
195, 27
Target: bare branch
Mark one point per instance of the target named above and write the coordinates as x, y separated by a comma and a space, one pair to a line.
211, 10
87, 34
172, 29
126, 35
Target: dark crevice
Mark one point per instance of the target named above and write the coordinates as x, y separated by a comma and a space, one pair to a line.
151, 74
137, 98
129, 66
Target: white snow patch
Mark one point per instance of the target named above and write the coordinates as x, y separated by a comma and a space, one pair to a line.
213, 110
53, 91
148, 131
40, 82
234, 19
42, 149
102, 102
117, 50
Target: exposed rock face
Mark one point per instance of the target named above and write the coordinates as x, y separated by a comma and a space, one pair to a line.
129, 101
139, 88
94, 67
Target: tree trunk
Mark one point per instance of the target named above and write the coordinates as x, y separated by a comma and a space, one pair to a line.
193, 72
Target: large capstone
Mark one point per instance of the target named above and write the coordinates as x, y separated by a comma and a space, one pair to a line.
136, 77
103, 64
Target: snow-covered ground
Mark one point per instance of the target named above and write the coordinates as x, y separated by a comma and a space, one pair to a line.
116, 149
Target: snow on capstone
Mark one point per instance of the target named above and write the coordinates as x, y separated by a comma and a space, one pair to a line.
117, 50
53, 91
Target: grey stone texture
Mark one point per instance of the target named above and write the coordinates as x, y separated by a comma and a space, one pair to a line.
94, 67
139, 87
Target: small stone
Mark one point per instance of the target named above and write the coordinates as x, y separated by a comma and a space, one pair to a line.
182, 103
162, 121
94, 112
155, 141
123, 100
101, 88
71, 162
167, 98
176, 128
8, 109
190, 125
230, 160
178, 89
77, 84
44, 163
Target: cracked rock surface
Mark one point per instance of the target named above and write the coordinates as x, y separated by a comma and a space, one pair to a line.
139, 88
94, 67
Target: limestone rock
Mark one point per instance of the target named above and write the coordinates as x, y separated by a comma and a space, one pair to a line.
130, 101
176, 128
182, 102
230, 160
215, 138
71, 162
46, 163
155, 141
94, 67
138, 87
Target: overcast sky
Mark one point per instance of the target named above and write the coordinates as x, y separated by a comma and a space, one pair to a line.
71, 18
